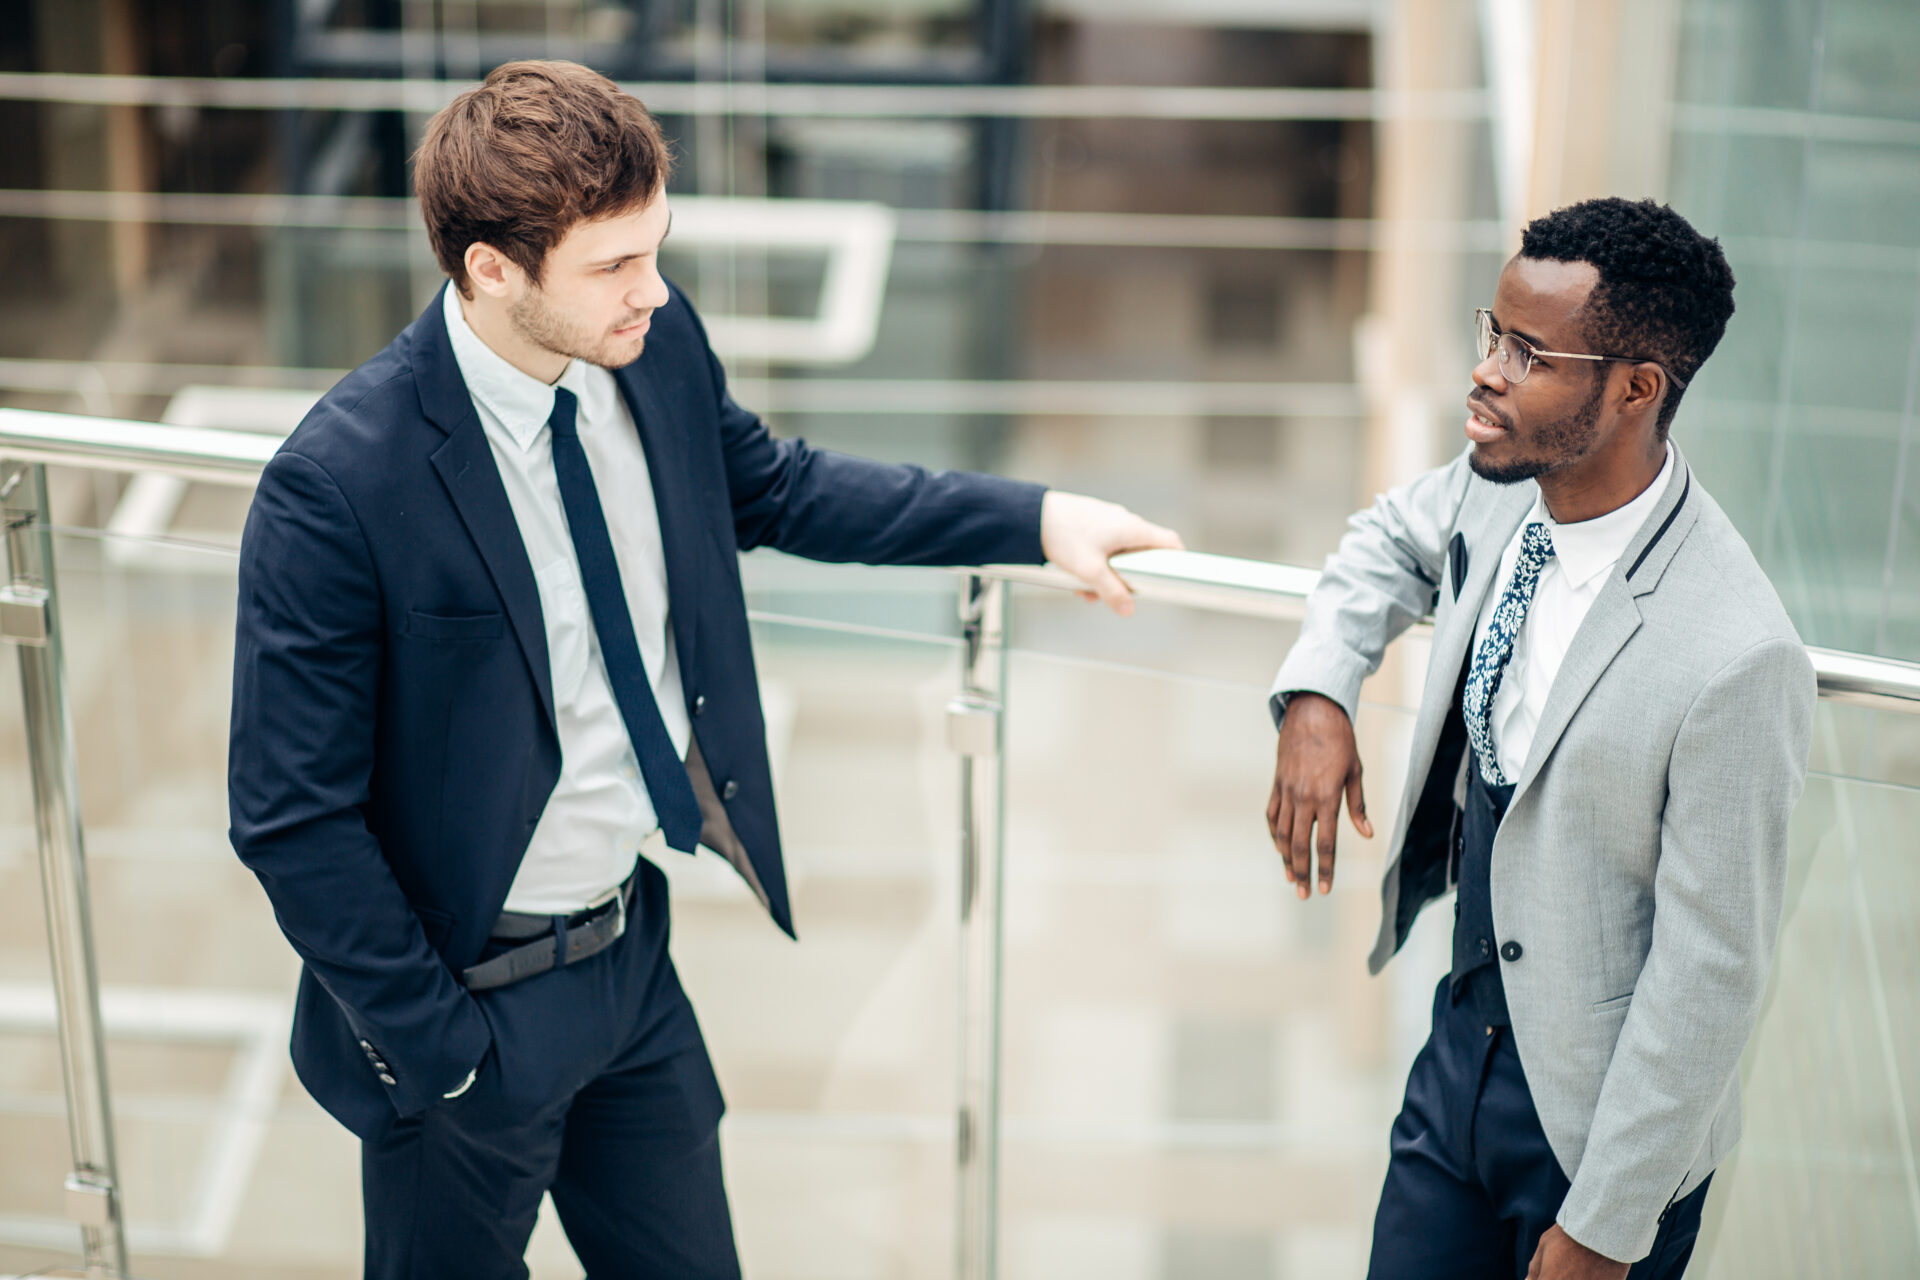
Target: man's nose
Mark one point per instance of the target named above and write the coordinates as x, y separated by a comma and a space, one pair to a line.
1487, 374
649, 293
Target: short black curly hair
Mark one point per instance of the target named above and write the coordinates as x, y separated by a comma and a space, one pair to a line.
1665, 291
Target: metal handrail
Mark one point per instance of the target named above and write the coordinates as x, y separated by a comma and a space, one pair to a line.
1223, 584
207, 454
1219, 584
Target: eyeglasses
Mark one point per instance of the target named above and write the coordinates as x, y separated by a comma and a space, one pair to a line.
1517, 354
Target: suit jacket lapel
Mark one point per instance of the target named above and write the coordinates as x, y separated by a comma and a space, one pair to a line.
677, 509
1486, 538
466, 467
1486, 522
1615, 616
1607, 628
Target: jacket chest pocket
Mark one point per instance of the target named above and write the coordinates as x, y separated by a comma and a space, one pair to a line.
563, 609
454, 628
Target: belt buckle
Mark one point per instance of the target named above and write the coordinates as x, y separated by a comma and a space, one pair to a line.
619, 901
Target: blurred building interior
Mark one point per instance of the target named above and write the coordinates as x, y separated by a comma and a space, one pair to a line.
1215, 259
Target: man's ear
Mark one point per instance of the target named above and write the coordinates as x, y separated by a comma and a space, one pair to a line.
1647, 382
491, 271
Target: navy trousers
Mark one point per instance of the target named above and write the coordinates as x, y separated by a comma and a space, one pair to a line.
1471, 1183
598, 1089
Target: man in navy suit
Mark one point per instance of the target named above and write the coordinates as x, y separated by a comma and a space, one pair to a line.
492, 637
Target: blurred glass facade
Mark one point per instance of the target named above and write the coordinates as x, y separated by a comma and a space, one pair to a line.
1798, 143
1212, 258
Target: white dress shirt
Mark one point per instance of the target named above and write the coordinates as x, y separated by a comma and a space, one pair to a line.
1583, 556
589, 835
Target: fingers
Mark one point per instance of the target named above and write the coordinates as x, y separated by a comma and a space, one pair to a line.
1357, 803
1327, 820
1144, 535
1112, 592
1280, 825
1300, 850
1316, 769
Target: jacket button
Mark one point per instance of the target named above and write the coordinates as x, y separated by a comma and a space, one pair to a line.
729, 791
1486, 947
700, 704
387, 1079
1511, 951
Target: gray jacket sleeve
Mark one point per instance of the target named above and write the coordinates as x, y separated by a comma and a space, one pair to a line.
1737, 769
1378, 583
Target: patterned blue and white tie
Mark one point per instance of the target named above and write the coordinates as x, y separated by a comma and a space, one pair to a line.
1483, 682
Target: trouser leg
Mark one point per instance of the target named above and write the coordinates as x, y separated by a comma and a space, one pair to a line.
1472, 1183
1512, 1158
1435, 1221
639, 1186
1673, 1247
598, 1088
640, 1190
452, 1194
1528, 1186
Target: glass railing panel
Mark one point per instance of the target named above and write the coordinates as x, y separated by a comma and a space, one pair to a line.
214, 1138
1866, 744
837, 1054
1824, 1182
1199, 1075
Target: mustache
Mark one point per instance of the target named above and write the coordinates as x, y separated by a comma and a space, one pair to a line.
1480, 406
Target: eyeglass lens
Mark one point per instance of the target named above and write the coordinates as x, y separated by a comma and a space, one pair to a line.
1516, 358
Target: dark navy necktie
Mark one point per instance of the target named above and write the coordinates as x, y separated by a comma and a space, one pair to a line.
660, 765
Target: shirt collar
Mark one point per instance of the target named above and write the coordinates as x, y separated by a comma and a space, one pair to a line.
1590, 548
521, 402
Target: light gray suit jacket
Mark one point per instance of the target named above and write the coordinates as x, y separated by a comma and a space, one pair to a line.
1642, 862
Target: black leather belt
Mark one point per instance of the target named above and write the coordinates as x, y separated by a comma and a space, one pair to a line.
551, 941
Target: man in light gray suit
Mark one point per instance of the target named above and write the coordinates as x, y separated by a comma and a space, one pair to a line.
1613, 734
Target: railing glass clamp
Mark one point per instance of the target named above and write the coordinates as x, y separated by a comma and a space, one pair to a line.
973, 726
23, 614
89, 1200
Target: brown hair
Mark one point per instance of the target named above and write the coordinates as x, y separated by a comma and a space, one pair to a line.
538, 148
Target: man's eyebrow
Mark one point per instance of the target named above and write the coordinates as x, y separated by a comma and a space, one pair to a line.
622, 257
1528, 338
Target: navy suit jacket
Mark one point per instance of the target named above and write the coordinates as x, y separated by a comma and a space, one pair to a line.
393, 740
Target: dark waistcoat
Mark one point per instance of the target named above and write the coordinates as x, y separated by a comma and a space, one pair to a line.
1476, 948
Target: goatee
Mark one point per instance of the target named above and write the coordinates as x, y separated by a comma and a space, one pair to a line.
1558, 444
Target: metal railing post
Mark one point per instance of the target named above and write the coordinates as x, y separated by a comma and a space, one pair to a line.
974, 732
29, 618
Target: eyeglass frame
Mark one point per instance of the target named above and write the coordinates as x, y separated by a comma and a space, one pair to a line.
1483, 324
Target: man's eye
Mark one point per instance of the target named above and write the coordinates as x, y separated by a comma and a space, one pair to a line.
612, 270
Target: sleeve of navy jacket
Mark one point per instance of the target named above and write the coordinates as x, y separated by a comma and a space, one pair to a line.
824, 505
307, 662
